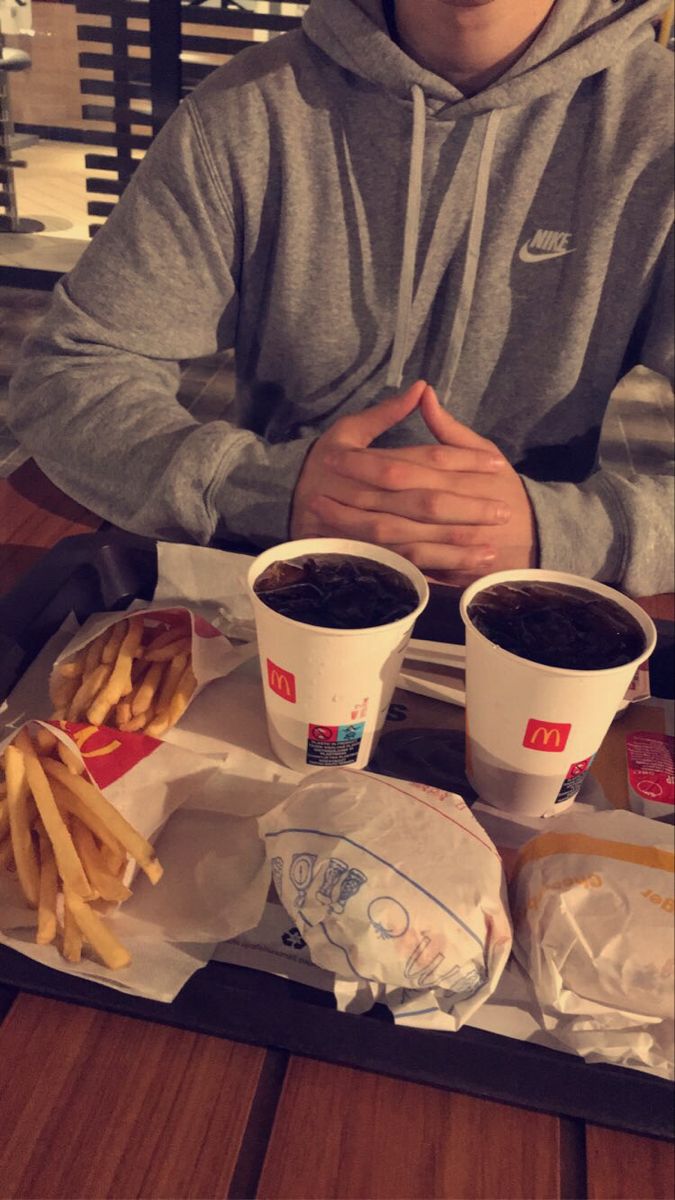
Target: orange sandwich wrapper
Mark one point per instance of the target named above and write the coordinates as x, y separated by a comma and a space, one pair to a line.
592, 905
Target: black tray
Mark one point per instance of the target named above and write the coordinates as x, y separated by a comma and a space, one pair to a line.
105, 572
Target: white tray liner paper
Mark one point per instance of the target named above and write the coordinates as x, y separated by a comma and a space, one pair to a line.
212, 840
215, 877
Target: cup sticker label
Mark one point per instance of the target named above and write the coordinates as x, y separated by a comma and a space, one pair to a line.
574, 779
546, 735
281, 682
334, 745
651, 765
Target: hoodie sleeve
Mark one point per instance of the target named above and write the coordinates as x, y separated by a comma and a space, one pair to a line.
617, 526
94, 399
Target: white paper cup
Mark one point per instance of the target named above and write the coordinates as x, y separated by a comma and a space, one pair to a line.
532, 730
327, 691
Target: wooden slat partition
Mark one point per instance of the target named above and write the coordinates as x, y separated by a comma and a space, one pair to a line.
99, 33
193, 73
165, 69
125, 8
124, 41
121, 116
100, 162
105, 187
199, 44
239, 18
96, 208
121, 141
105, 87
150, 53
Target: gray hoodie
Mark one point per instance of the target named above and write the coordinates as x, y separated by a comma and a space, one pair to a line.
349, 222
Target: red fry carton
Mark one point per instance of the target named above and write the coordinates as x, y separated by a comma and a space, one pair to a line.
120, 665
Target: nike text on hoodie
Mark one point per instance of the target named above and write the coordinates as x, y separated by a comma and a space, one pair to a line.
349, 223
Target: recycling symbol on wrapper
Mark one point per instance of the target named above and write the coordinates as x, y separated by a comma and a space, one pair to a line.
293, 938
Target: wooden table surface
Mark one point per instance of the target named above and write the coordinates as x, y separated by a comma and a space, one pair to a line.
93, 1104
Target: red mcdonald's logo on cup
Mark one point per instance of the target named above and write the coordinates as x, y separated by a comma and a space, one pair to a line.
546, 735
281, 682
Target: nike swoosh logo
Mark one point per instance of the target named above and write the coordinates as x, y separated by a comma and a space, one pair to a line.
527, 255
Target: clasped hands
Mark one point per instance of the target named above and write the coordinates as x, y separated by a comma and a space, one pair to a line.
456, 508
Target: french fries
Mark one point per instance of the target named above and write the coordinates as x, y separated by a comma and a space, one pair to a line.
69, 847
49, 887
131, 677
128, 837
21, 810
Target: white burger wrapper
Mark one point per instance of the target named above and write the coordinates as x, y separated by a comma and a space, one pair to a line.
592, 904
396, 889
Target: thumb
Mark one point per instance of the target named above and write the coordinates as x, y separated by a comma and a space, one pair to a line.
362, 429
446, 428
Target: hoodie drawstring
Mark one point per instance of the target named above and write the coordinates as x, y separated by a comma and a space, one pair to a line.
460, 322
410, 239
472, 258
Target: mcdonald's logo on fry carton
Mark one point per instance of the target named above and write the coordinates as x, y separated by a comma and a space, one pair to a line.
546, 735
281, 682
107, 753
203, 628
167, 618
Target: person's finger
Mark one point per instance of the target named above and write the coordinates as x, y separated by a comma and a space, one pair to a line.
384, 528
446, 428
456, 580
452, 565
429, 506
362, 428
445, 458
429, 467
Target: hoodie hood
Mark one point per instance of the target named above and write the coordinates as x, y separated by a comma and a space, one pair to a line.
580, 38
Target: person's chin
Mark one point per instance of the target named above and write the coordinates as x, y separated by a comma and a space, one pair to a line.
466, 3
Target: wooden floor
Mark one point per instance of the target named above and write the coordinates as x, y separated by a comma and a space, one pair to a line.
51, 190
52, 187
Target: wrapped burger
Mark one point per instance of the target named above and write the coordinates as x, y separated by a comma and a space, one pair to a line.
592, 905
396, 889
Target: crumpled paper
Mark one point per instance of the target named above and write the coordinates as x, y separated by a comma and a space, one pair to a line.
214, 582
592, 902
395, 888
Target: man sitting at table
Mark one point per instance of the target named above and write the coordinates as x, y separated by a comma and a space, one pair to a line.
470, 192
